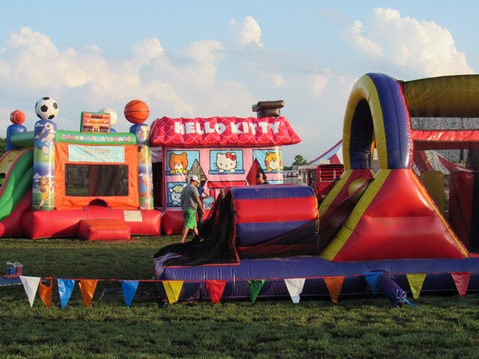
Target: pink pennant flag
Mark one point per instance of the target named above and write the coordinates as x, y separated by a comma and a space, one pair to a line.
461, 279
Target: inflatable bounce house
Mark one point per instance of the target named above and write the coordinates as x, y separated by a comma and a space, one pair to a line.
394, 227
221, 151
95, 183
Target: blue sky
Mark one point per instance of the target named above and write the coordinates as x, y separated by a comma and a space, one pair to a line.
218, 58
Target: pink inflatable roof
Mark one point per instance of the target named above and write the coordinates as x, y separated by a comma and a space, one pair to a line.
222, 131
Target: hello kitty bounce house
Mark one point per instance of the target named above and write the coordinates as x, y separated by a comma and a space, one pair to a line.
223, 151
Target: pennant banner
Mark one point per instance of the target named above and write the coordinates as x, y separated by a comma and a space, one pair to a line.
87, 289
216, 289
173, 289
254, 288
295, 288
129, 290
65, 290
415, 283
30, 284
46, 292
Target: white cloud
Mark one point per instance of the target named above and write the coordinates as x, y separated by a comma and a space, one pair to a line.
251, 32
247, 32
209, 77
367, 45
147, 50
423, 47
179, 84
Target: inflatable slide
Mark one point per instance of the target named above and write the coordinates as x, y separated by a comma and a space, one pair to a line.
16, 170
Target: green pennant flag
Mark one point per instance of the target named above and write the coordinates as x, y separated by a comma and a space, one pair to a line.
255, 286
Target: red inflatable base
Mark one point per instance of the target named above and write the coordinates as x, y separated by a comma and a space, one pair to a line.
103, 230
172, 222
65, 223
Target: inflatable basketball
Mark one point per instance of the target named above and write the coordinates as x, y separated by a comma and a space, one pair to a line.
137, 111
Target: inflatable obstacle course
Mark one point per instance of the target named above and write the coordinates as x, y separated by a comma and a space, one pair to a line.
378, 218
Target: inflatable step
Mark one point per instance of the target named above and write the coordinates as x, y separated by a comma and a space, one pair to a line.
103, 230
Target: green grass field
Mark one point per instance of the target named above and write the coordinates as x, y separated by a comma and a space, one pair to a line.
440, 326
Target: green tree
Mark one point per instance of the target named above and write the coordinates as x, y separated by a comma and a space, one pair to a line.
299, 161
3, 143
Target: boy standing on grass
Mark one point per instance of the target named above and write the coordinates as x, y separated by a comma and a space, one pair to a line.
190, 202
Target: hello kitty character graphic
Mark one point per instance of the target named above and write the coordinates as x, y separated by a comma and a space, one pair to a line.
226, 162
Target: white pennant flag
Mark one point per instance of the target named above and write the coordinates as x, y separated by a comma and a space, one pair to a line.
30, 284
295, 288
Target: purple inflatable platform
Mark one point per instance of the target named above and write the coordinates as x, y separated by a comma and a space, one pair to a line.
313, 269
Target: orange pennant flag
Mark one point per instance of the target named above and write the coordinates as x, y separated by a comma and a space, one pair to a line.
45, 292
216, 289
461, 279
87, 289
334, 285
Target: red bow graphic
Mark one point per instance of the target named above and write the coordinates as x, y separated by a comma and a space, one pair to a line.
231, 155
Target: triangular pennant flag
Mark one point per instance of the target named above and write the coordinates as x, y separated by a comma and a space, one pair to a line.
255, 286
461, 279
65, 290
334, 285
129, 290
415, 283
45, 292
372, 280
216, 289
87, 289
295, 288
30, 284
173, 289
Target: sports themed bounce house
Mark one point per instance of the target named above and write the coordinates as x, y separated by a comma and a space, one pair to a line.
95, 183
394, 227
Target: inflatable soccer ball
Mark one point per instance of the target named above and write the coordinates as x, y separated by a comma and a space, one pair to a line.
46, 108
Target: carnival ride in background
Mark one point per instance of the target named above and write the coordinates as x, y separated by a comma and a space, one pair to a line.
379, 228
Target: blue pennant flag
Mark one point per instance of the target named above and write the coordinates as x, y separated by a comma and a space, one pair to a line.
129, 289
65, 289
372, 279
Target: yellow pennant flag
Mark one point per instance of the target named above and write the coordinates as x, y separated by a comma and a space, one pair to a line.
334, 285
173, 289
87, 289
45, 293
415, 282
